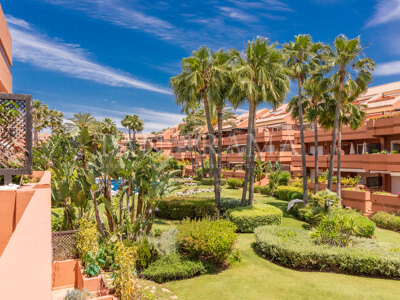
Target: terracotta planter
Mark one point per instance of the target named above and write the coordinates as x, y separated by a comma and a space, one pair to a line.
386, 203
357, 199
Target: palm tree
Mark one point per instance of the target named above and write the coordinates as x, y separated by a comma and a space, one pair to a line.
258, 77
203, 75
108, 126
134, 124
301, 59
79, 121
55, 120
39, 118
316, 98
351, 114
346, 62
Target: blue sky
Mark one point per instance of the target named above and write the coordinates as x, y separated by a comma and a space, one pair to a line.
115, 57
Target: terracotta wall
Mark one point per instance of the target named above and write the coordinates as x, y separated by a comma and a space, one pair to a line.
26, 261
5, 55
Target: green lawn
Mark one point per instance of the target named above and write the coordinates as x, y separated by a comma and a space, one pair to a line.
256, 278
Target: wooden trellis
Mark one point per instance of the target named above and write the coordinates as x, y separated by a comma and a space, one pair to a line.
64, 245
16, 136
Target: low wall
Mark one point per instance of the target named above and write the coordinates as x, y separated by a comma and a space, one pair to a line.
25, 262
387, 203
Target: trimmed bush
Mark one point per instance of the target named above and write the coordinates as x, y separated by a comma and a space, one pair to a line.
229, 203
210, 181
178, 208
288, 193
172, 267
209, 241
264, 190
386, 220
294, 248
235, 183
250, 217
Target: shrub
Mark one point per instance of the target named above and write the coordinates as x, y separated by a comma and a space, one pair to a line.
294, 247
166, 243
124, 277
250, 217
178, 208
207, 240
86, 238
145, 253
77, 295
199, 173
288, 193
235, 183
284, 178
386, 220
229, 203
210, 181
172, 267
264, 190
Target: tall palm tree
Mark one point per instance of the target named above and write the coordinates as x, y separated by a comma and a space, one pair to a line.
55, 120
300, 61
351, 115
39, 118
200, 81
134, 124
79, 121
258, 76
316, 98
108, 126
351, 69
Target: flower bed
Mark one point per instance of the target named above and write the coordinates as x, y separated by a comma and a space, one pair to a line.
294, 248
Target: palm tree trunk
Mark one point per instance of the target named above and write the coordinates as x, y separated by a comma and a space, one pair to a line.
129, 138
201, 155
191, 154
219, 154
335, 127
339, 155
35, 135
248, 149
211, 140
316, 155
134, 140
195, 158
303, 148
99, 221
121, 204
252, 158
139, 204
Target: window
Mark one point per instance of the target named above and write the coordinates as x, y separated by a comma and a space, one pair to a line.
395, 145
374, 181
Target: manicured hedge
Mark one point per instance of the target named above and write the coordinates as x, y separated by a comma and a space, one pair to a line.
229, 203
172, 267
386, 220
178, 208
235, 183
207, 240
250, 217
294, 248
261, 189
288, 193
210, 181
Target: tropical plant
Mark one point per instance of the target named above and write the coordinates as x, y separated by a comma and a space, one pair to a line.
258, 76
55, 121
202, 79
40, 113
301, 59
108, 126
349, 69
134, 124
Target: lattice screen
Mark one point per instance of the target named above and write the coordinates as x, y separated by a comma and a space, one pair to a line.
15, 135
64, 245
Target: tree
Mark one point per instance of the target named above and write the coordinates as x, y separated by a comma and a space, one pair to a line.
345, 61
40, 113
316, 98
80, 121
108, 126
258, 77
186, 129
134, 124
300, 60
200, 81
55, 121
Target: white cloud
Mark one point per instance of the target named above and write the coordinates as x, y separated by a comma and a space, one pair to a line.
386, 11
237, 14
44, 52
152, 120
389, 68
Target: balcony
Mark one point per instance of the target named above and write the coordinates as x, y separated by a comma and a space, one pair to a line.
347, 135
366, 162
386, 126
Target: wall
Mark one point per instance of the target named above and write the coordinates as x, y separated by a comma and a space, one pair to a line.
26, 261
5, 56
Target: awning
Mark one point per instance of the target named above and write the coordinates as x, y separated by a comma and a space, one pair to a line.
351, 170
381, 172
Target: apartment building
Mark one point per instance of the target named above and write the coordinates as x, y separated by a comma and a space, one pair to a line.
6, 56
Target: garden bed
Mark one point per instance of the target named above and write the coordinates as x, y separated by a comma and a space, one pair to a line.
294, 248
387, 203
